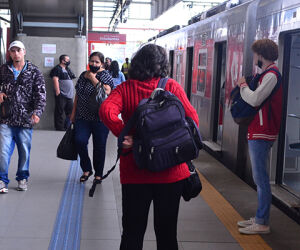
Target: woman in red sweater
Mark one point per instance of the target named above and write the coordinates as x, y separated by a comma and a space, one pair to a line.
139, 186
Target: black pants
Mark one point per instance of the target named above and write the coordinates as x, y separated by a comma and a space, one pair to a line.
136, 200
62, 105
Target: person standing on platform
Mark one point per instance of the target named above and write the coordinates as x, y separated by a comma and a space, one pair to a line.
117, 75
62, 77
141, 187
262, 131
88, 123
125, 68
107, 63
23, 85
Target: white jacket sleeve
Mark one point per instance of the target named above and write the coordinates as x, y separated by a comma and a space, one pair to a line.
255, 98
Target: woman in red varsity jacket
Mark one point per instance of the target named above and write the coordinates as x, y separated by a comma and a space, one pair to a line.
262, 131
140, 186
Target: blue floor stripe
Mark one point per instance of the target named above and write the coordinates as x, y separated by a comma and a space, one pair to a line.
67, 229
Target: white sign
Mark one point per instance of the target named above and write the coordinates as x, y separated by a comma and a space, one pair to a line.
49, 62
49, 48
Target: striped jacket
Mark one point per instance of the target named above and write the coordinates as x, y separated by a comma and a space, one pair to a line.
27, 94
266, 123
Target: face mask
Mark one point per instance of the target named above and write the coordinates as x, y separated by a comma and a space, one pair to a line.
94, 69
259, 63
67, 63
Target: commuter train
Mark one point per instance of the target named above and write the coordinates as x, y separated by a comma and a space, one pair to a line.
210, 54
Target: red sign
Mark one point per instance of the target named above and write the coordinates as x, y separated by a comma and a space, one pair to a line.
95, 37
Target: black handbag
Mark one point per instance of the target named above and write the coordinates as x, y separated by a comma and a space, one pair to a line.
96, 98
192, 185
5, 108
67, 149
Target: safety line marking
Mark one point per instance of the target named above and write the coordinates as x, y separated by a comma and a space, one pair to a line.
67, 228
229, 217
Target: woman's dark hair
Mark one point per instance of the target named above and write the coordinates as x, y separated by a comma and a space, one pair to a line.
62, 57
266, 48
114, 69
99, 55
150, 61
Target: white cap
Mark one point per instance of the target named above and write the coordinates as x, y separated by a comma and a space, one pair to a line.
17, 44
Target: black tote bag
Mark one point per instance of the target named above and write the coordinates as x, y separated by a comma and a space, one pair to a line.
192, 185
67, 149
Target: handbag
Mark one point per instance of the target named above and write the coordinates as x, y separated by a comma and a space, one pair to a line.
5, 108
192, 185
67, 149
96, 98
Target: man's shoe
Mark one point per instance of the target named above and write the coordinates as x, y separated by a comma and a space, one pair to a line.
3, 188
22, 185
246, 223
255, 229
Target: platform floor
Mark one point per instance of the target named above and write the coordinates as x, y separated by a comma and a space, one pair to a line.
29, 220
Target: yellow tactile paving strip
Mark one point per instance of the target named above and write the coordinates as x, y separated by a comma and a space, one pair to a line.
229, 217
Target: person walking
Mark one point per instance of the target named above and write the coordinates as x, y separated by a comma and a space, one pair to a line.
262, 131
88, 123
117, 75
125, 68
62, 77
23, 85
140, 187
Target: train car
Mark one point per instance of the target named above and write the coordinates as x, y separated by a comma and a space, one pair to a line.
209, 56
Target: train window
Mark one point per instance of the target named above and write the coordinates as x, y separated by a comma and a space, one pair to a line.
178, 67
201, 72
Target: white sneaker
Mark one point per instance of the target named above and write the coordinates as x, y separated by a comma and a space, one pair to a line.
3, 188
246, 223
22, 185
255, 229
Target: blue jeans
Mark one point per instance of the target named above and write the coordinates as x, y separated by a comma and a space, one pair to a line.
9, 136
259, 155
83, 131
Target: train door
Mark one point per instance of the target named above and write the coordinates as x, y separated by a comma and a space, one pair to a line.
171, 61
219, 92
189, 71
289, 139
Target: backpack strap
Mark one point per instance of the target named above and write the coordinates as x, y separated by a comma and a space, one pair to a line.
277, 86
162, 83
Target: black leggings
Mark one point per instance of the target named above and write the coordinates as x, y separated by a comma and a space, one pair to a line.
136, 200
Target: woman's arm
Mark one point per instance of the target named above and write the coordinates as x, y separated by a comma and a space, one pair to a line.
109, 111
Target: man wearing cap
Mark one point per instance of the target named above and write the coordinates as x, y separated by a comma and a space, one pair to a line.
62, 77
23, 85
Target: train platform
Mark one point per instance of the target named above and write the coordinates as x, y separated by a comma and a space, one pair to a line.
57, 213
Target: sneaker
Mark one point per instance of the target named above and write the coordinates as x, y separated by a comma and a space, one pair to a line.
3, 188
22, 185
246, 223
255, 229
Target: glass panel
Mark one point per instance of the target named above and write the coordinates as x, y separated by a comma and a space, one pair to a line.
178, 68
291, 174
201, 73
222, 95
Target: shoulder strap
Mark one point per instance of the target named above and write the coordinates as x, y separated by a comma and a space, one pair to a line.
277, 86
162, 83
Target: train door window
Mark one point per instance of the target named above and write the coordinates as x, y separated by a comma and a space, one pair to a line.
291, 160
171, 61
219, 91
201, 72
189, 71
178, 67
